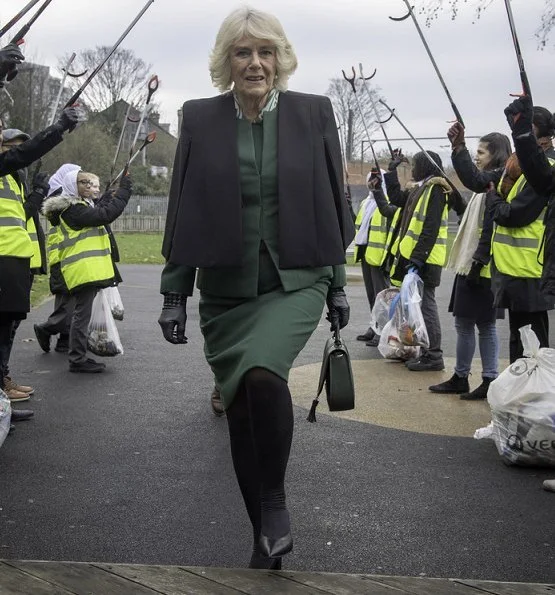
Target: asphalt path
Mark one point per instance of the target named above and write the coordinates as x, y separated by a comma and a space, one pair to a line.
131, 466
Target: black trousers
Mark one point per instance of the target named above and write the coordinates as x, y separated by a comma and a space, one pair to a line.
375, 280
540, 325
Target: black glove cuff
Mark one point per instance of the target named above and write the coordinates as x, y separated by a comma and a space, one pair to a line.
174, 300
334, 290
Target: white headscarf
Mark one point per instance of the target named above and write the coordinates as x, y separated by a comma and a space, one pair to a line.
69, 183
55, 181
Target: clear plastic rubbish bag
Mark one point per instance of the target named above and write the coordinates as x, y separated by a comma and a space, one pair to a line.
5, 416
380, 312
114, 300
391, 347
522, 402
103, 337
408, 312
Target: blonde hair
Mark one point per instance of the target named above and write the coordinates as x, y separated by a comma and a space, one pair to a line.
249, 22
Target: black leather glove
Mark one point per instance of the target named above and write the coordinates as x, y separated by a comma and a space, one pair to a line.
415, 265
375, 181
10, 57
69, 118
455, 134
396, 160
173, 318
492, 197
40, 183
473, 277
125, 189
338, 308
520, 115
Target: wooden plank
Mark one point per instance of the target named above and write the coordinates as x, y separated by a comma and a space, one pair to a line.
17, 582
343, 584
170, 580
81, 578
254, 582
510, 588
427, 586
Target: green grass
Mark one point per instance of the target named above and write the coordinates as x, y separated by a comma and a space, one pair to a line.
140, 248
40, 290
134, 248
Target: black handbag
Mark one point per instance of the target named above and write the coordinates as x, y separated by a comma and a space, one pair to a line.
336, 375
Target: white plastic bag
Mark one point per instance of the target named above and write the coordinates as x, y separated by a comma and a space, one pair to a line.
522, 401
391, 347
380, 311
114, 300
5, 416
103, 337
410, 322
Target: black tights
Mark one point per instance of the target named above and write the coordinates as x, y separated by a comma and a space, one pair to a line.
260, 421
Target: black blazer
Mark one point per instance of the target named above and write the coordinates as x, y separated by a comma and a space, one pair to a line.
203, 227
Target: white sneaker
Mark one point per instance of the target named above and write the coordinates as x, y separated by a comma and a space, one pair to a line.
549, 485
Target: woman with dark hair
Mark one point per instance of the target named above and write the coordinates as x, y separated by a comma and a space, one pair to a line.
517, 209
421, 242
471, 298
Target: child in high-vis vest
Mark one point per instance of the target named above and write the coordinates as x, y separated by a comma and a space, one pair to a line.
82, 252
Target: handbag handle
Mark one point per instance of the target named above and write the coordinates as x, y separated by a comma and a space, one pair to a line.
336, 336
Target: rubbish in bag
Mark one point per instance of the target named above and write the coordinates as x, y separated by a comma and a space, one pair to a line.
115, 302
522, 402
380, 312
410, 322
5, 416
391, 347
103, 337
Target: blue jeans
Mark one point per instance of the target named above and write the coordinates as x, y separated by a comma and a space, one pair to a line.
466, 345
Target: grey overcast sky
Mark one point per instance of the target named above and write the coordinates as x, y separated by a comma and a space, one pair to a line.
477, 59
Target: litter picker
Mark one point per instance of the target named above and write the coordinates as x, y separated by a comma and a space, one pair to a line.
18, 16
351, 81
91, 76
375, 107
523, 76
427, 47
150, 138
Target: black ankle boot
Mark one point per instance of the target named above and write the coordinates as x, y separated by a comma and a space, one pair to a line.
261, 562
275, 532
455, 385
478, 393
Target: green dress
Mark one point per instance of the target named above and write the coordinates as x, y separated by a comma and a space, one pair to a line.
256, 315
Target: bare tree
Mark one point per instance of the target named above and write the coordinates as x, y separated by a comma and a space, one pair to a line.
432, 8
348, 115
30, 97
122, 77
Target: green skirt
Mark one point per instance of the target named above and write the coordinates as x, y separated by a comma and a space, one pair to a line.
268, 331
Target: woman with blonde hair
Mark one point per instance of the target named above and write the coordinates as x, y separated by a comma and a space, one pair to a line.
257, 208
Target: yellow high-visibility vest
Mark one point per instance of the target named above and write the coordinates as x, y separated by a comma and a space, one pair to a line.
405, 245
516, 250
438, 254
14, 238
379, 237
84, 255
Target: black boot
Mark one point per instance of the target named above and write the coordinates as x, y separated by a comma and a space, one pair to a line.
261, 562
455, 385
478, 393
367, 336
